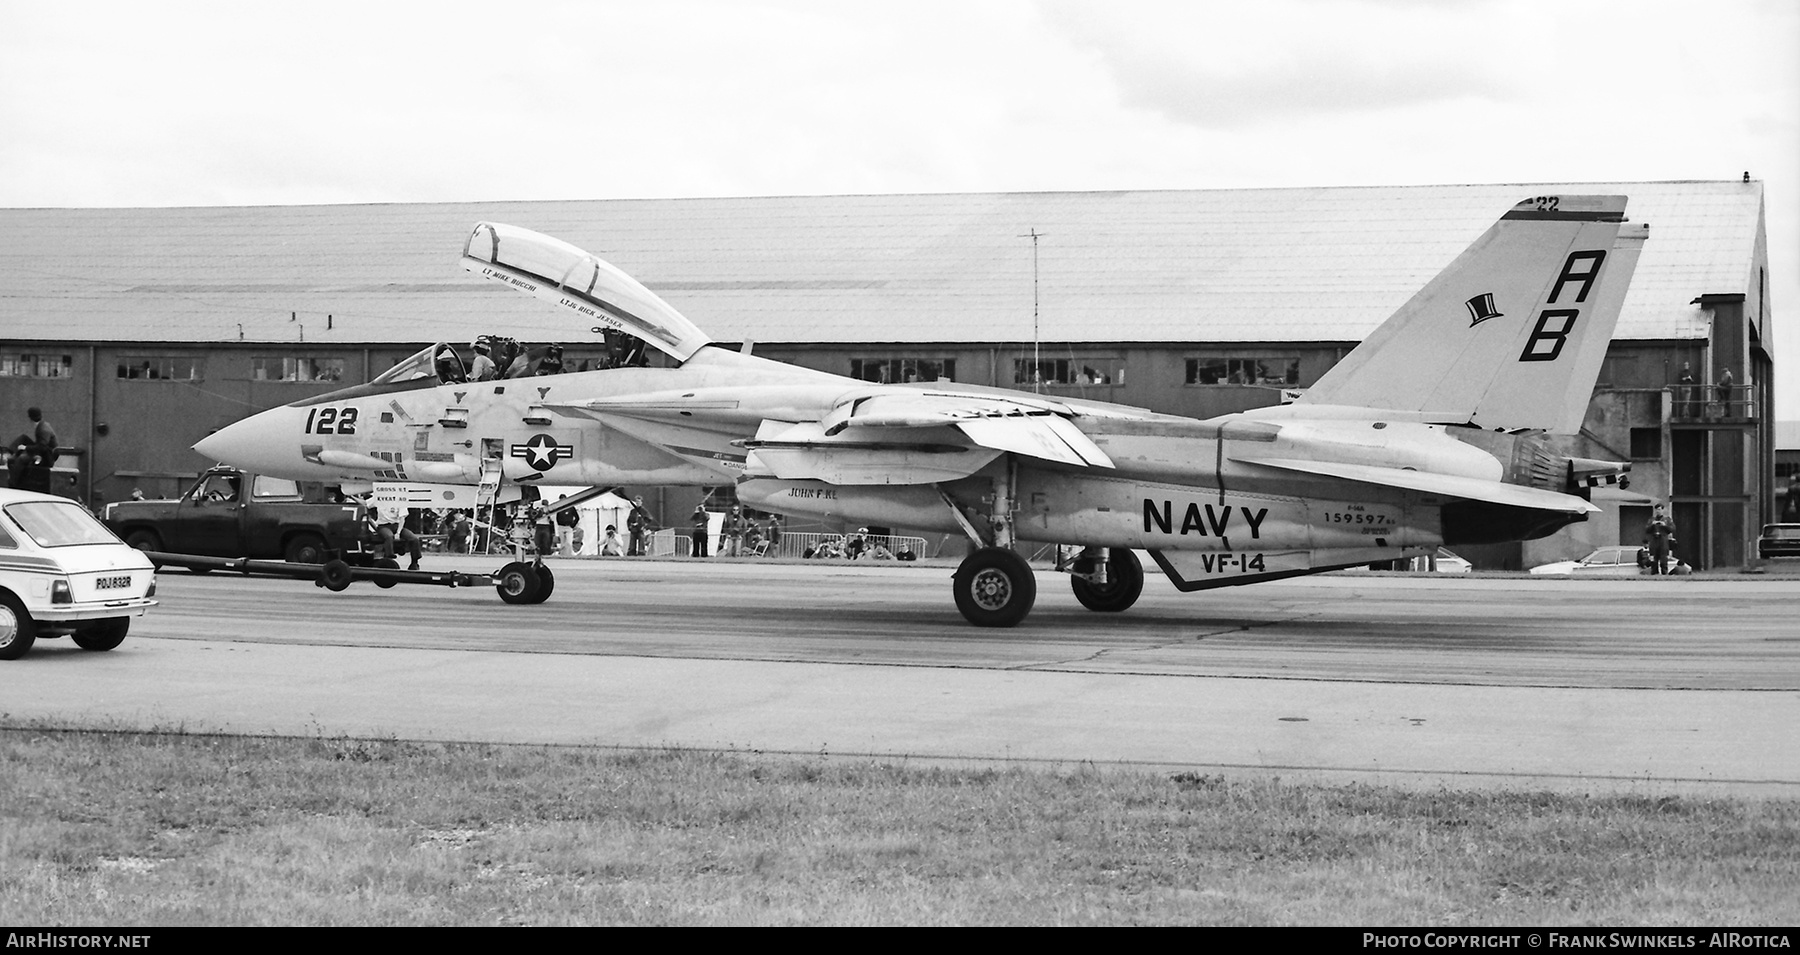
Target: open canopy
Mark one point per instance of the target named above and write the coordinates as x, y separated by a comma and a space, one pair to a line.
564, 275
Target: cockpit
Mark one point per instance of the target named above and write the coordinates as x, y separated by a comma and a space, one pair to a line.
491, 357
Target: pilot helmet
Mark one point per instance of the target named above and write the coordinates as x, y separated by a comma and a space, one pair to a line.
480, 343
553, 350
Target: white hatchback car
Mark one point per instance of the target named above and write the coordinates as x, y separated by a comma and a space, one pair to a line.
62, 572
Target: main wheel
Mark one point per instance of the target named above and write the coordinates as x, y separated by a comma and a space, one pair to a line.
546, 583
335, 575
103, 634
17, 630
994, 587
305, 549
386, 563
517, 583
1125, 582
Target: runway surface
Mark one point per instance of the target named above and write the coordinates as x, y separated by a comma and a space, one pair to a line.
1637, 685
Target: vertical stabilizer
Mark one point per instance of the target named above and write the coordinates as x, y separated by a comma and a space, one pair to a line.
1511, 335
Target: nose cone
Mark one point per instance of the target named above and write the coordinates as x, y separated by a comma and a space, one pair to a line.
267, 443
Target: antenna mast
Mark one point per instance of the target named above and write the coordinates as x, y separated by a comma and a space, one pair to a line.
1037, 370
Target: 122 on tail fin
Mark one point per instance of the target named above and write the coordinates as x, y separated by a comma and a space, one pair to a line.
1511, 335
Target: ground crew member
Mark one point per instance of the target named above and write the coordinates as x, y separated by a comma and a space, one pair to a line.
698, 536
388, 521
43, 437
637, 523
1659, 537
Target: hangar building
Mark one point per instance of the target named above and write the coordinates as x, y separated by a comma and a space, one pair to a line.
138, 331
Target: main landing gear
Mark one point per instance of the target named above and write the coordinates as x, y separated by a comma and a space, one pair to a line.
995, 587
1109, 581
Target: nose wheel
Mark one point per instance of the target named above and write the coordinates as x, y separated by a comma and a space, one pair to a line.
994, 587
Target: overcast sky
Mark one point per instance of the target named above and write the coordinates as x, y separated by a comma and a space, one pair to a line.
176, 103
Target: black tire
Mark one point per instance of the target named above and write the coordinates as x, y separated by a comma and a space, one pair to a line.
304, 549
1124, 585
546, 584
103, 635
994, 587
335, 575
386, 563
517, 583
17, 630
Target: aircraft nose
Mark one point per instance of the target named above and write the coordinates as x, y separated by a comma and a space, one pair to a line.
252, 444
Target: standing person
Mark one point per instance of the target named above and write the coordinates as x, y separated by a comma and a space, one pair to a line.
566, 523
459, 533
43, 437
1684, 403
637, 523
699, 520
772, 534
1659, 537
731, 532
1725, 392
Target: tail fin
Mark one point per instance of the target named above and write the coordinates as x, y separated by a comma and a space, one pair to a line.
1511, 334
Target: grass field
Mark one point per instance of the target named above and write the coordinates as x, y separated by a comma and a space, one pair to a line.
145, 829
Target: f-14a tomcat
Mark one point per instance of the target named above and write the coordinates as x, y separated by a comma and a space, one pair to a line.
1418, 438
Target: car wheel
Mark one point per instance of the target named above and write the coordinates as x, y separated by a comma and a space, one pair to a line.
994, 587
517, 583
17, 630
104, 634
1125, 583
305, 549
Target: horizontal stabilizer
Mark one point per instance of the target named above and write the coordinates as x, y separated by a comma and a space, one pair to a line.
1447, 485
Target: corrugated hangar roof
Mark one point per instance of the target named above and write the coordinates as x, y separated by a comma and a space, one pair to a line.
1252, 265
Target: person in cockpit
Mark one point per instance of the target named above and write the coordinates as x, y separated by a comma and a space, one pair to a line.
482, 367
552, 361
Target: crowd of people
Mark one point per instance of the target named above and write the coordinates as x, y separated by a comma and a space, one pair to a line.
492, 357
740, 535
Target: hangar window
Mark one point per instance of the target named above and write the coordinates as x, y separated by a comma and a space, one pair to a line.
296, 369
1243, 371
35, 365
1063, 371
1646, 444
165, 368
901, 370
